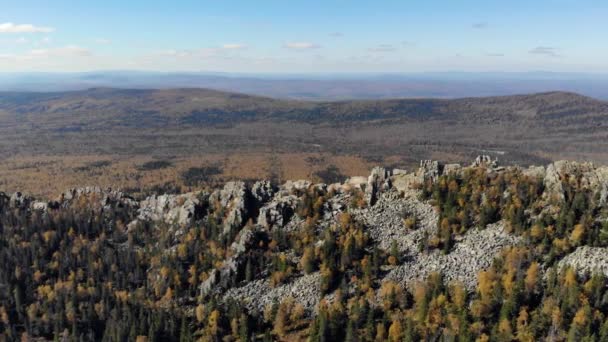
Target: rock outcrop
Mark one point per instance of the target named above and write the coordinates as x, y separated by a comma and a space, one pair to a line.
429, 170
256, 295
277, 212
586, 260
222, 278
392, 198
485, 161
235, 200
182, 210
295, 187
98, 197
475, 252
378, 180
19, 201
582, 175
385, 220
262, 192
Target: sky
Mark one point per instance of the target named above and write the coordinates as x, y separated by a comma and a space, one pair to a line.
293, 36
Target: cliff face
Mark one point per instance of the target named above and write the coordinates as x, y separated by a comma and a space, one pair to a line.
389, 207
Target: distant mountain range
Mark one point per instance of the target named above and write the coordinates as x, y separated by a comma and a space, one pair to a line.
322, 86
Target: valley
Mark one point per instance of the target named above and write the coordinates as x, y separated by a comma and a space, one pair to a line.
249, 137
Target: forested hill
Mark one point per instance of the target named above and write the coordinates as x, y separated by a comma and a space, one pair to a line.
152, 108
447, 252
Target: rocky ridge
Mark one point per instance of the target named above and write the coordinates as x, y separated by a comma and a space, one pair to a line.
391, 197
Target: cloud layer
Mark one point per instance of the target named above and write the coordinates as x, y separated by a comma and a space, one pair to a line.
24, 28
383, 48
545, 50
234, 46
301, 45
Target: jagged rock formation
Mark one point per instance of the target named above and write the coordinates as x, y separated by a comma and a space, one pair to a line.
378, 180
429, 169
277, 212
235, 200
105, 197
262, 192
220, 278
182, 210
585, 175
604, 195
485, 160
390, 198
292, 187
18, 200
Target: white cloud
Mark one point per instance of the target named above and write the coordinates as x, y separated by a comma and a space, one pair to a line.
24, 28
103, 41
234, 46
545, 50
69, 54
21, 40
65, 51
383, 48
175, 53
211, 52
301, 45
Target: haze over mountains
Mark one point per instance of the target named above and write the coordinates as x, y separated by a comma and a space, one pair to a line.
339, 86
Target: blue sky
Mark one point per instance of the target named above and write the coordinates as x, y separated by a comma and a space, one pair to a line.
304, 36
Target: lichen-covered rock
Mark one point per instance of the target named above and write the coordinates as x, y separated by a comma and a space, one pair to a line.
378, 181
452, 169
97, 198
236, 201
40, 206
385, 220
295, 187
586, 260
278, 212
182, 210
19, 201
475, 252
357, 182
221, 278
604, 195
256, 295
485, 161
583, 175
262, 192
429, 170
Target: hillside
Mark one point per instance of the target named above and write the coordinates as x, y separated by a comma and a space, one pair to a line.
154, 108
106, 136
446, 252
